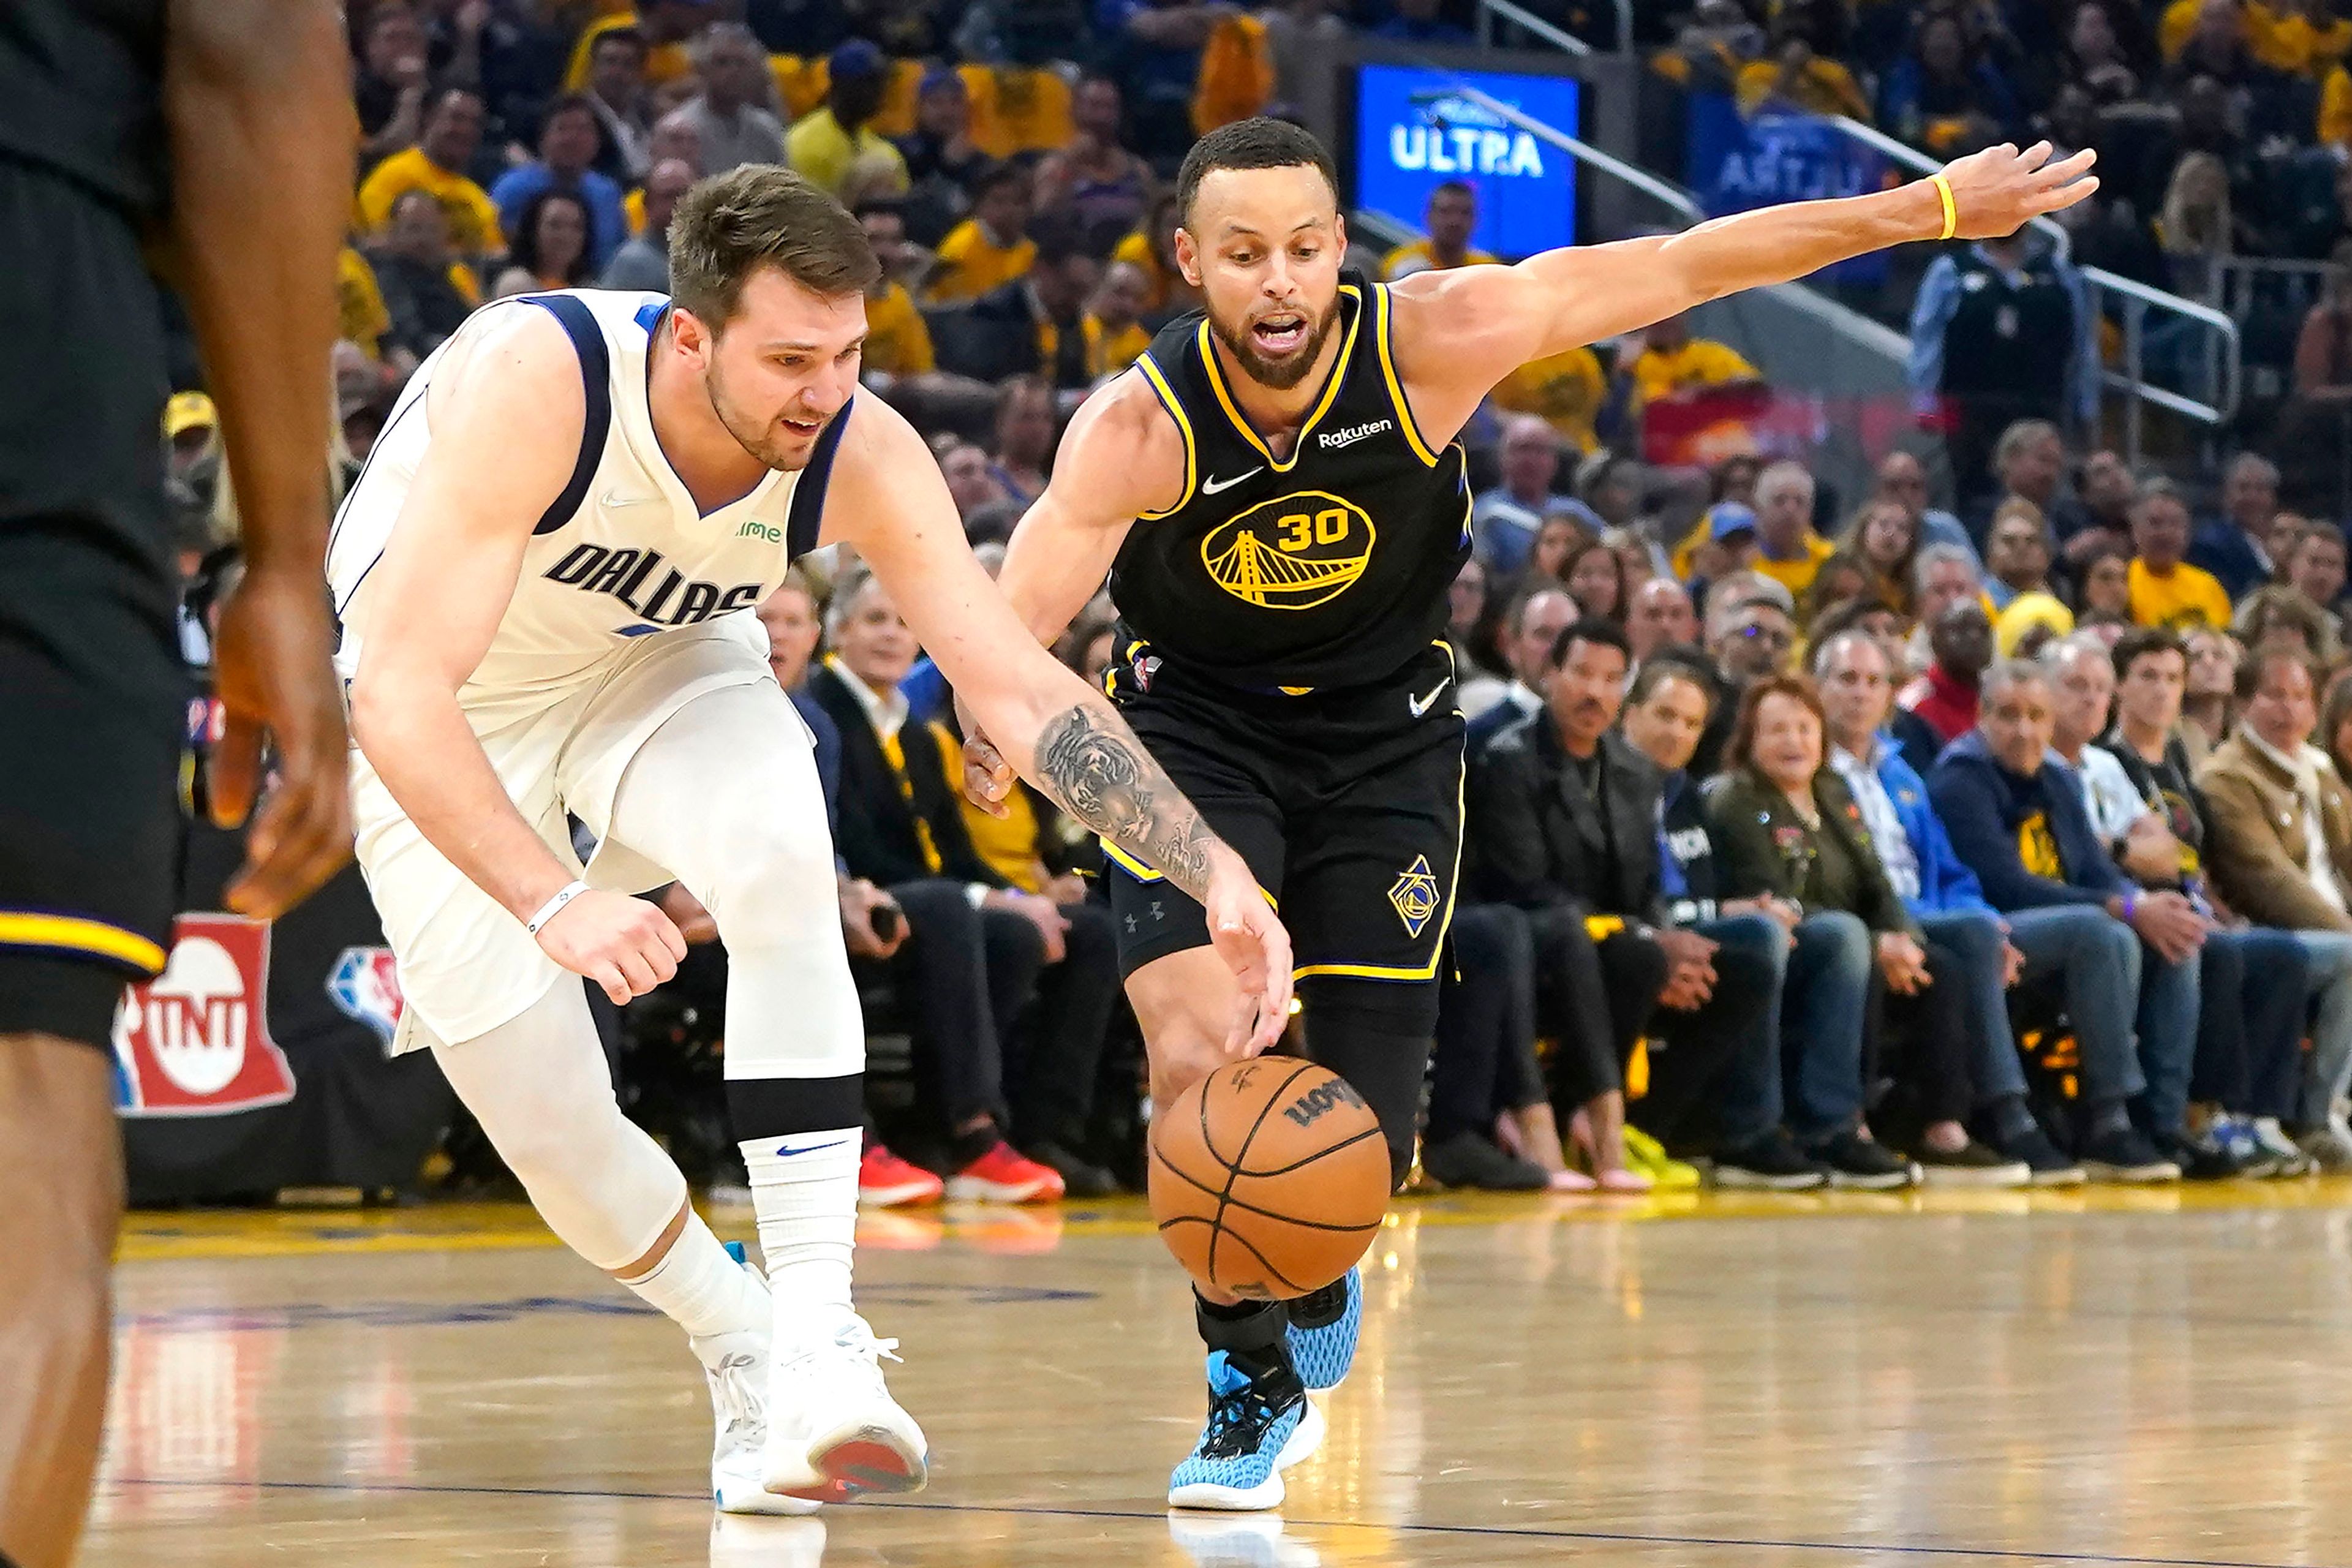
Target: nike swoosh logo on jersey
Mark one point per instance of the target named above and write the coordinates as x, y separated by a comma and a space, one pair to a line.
615, 500
785, 1150
1211, 487
1420, 705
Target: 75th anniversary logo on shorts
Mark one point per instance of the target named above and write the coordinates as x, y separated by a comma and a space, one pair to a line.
1415, 895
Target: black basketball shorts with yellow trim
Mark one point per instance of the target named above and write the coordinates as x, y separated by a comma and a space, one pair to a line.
1346, 803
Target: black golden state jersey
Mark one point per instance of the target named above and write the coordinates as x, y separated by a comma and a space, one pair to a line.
1327, 569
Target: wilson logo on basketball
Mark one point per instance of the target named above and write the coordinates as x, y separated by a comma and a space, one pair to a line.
1303, 549
1307, 1107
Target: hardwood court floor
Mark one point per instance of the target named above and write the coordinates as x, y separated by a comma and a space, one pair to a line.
1682, 1382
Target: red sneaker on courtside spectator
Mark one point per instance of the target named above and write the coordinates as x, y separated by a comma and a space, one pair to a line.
1003, 1175
887, 1181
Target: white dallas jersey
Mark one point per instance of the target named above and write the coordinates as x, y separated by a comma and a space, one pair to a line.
623, 554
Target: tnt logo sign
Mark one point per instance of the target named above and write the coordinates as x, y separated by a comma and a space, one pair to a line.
365, 984
195, 1040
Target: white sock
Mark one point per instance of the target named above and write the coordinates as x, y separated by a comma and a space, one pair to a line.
702, 1287
806, 1203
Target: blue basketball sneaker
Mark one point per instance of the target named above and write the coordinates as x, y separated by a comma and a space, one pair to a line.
1323, 1331
1258, 1426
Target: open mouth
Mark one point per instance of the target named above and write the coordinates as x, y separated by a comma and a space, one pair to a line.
802, 427
1280, 333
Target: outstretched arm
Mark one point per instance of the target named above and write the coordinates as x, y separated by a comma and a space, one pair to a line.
888, 500
1458, 333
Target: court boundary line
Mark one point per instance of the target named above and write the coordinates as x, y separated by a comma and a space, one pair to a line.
1621, 1538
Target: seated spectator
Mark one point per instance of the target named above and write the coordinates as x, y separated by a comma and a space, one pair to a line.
972, 479
2317, 570
1095, 184
1116, 335
1842, 580
1941, 574
1635, 552
2287, 530
1944, 701
1565, 819
1152, 246
831, 139
1596, 581
1662, 616
2105, 577
2313, 437
1717, 41
1418, 22
1025, 429
437, 165
2335, 735
2097, 59
550, 247
733, 116
1784, 827
2127, 957
673, 140
1941, 95
1504, 520
942, 159
2157, 852
1566, 390
428, 292
897, 339
1788, 551
389, 86
2210, 708
2029, 464
1468, 628
2247, 1086
643, 261
1484, 1074
2282, 854
1883, 535
616, 92
2235, 547
1902, 478
2166, 590
1751, 633
567, 140
1673, 364
1531, 624
2031, 623
2017, 552
991, 248
1034, 325
1968, 945
2102, 513
1154, 48
979, 945
1793, 79
1451, 217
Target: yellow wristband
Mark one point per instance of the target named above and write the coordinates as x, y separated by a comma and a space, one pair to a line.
1951, 213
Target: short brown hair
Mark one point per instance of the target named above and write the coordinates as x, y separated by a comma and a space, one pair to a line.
1742, 745
729, 227
2263, 660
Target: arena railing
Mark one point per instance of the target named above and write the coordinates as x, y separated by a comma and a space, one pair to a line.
2221, 360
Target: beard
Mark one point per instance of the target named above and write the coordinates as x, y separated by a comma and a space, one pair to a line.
776, 446
1276, 374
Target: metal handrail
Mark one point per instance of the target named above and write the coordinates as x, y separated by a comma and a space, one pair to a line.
1549, 32
1641, 179
2229, 366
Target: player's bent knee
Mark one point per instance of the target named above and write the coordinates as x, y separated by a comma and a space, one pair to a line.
776, 886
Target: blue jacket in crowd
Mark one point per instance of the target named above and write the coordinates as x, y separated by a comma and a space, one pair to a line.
2029, 840
1947, 887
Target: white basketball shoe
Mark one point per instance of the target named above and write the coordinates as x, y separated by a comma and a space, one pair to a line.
736, 1366
833, 1431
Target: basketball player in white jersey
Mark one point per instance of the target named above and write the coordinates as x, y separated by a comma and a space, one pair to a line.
545, 577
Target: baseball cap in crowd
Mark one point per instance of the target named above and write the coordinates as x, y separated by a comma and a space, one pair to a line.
939, 78
854, 59
1726, 518
2027, 614
188, 410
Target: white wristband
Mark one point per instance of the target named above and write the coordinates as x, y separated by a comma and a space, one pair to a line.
564, 896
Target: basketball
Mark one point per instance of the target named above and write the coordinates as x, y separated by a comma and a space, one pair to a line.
1268, 1178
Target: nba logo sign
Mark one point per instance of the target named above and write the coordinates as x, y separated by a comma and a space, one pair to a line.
195, 1040
365, 984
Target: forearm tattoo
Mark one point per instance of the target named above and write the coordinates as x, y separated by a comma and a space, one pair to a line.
1099, 773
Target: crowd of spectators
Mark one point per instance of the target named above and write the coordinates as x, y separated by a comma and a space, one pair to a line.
1995, 836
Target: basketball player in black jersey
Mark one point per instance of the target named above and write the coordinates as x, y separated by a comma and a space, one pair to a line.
218, 136
1276, 493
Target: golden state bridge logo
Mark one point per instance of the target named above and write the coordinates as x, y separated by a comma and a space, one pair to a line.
1293, 554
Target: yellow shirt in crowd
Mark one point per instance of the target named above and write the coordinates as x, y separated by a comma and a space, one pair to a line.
1108, 353
1137, 249
2189, 598
2279, 38
1798, 574
1565, 391
664, 62
1825, 87
360, 315
1015, 108
1408, 259
897, 339
473, 217
1698, 362
818, 147
971, 264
